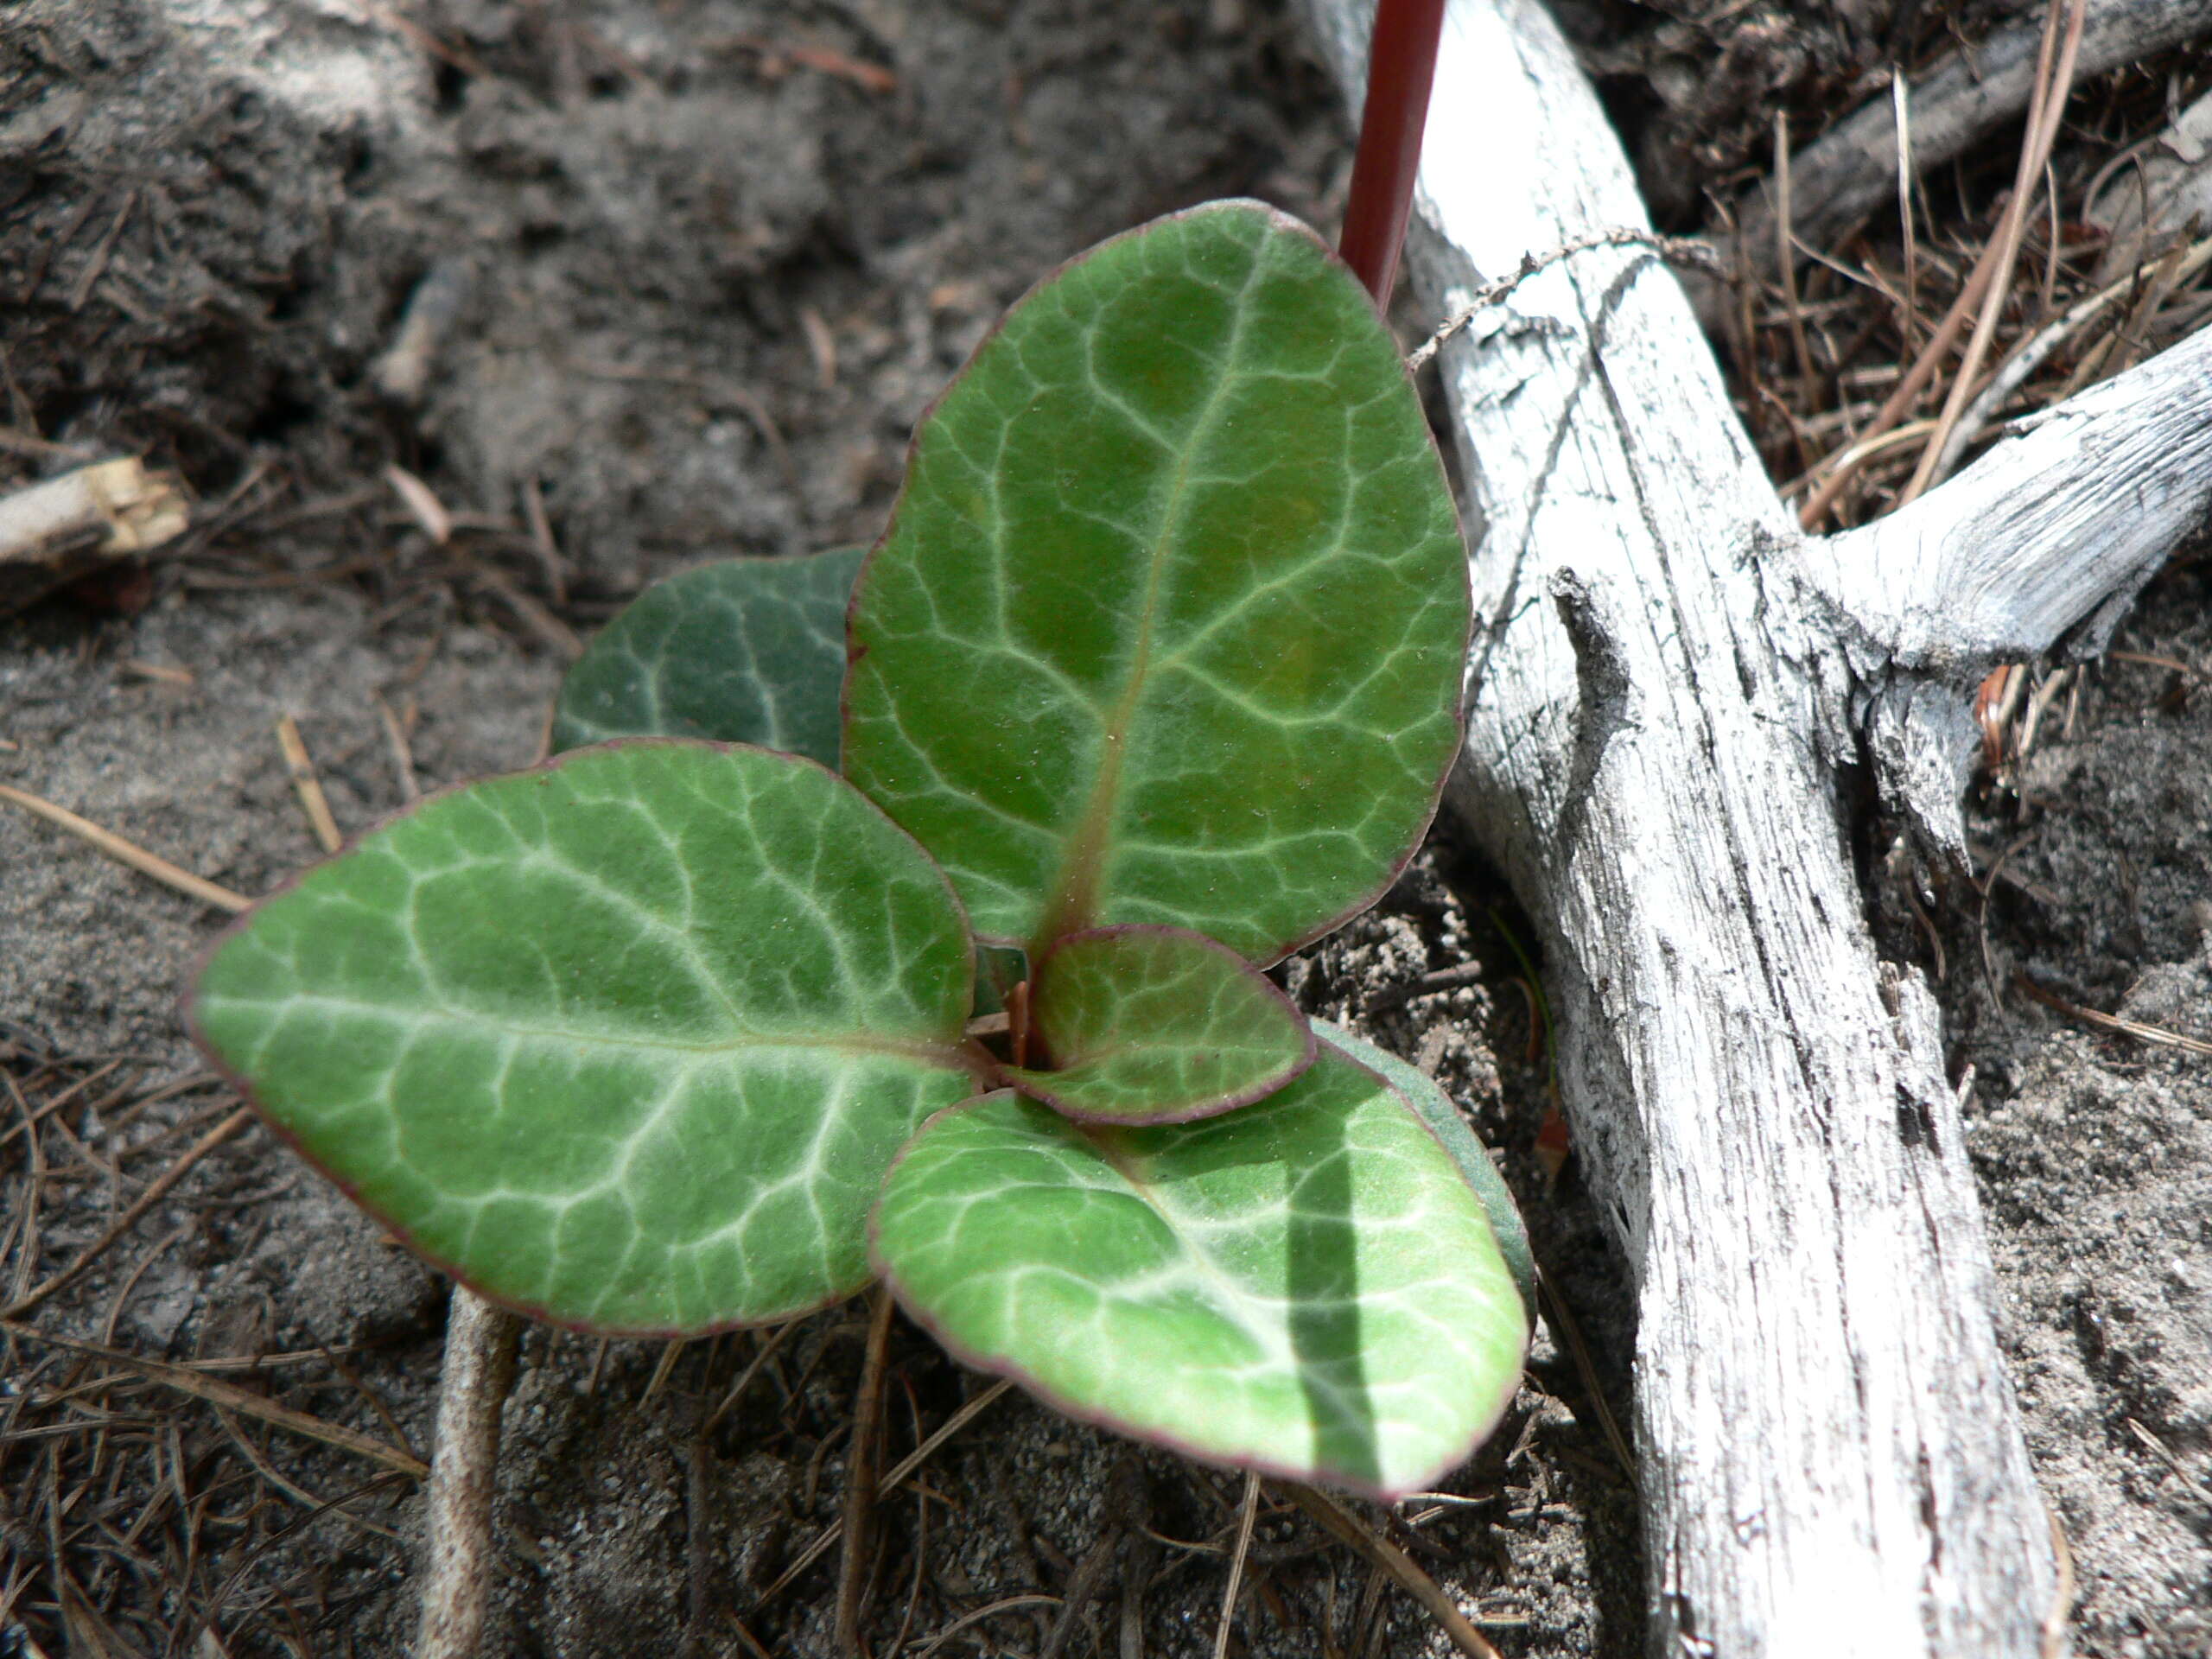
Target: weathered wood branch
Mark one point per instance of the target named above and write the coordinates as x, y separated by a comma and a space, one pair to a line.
1851, 169
1670, 686
2040, 545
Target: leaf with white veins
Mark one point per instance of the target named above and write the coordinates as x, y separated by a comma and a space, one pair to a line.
1170, 622
627, 1041
1436, 1110
1307, 1287
742, 651
1155, 1025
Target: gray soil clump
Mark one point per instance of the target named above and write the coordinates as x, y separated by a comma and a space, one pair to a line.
673, 281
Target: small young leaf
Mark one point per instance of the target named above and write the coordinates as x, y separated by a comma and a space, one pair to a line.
629, 1041
1153, 1025
1443, 1121
1306, 1286
744, 650
1170, 622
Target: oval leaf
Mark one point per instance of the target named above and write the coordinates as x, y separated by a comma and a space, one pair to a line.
1153, 1025
1180, 528
1443, 1121
627, 1041
1307, 1287
744, 650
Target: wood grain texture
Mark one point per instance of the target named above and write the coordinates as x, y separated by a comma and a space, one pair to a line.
1668, 680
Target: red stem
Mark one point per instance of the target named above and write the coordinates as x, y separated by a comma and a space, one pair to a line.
1401, 66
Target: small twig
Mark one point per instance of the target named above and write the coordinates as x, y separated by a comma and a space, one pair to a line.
1429, 984
1846, 463
1783, 255
698, 1540
229, 1397
480, 1363
751, 1641
122, 852
2016, 370
1563, 1321
291, 1489
145, 1201
1956, 101
2062, 1595
2117, 1024
47, 1108
1005, 1605
829, 1535
541, 537
1901, 101
2172, 663
1674, 249
2039, 706
2054, 87
403, 753
669, 1353
549, 629
313, 801
2171, 1457
860, 1470
1246, 1513
1388, 1558
1124, 1500
776, 1340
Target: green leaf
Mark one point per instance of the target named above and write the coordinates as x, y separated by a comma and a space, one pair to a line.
1443, 1121
1153, 1025
627, 1041
745, 651
1306, 1286
1170, 622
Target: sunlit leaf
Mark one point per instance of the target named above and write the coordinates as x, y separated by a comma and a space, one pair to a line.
627, 1040
1153, 1025
745, 651
1306, 1286
1443, 1119
1170, 622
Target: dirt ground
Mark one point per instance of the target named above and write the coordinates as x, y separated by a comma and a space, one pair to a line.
684, 274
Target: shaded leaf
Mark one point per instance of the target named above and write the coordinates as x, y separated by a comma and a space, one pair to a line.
1153, 1025
743, 650
627, 1040
1170, 622
1451, 1129
1306, 1286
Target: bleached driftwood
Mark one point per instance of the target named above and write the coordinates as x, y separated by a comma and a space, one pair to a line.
1672, 686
